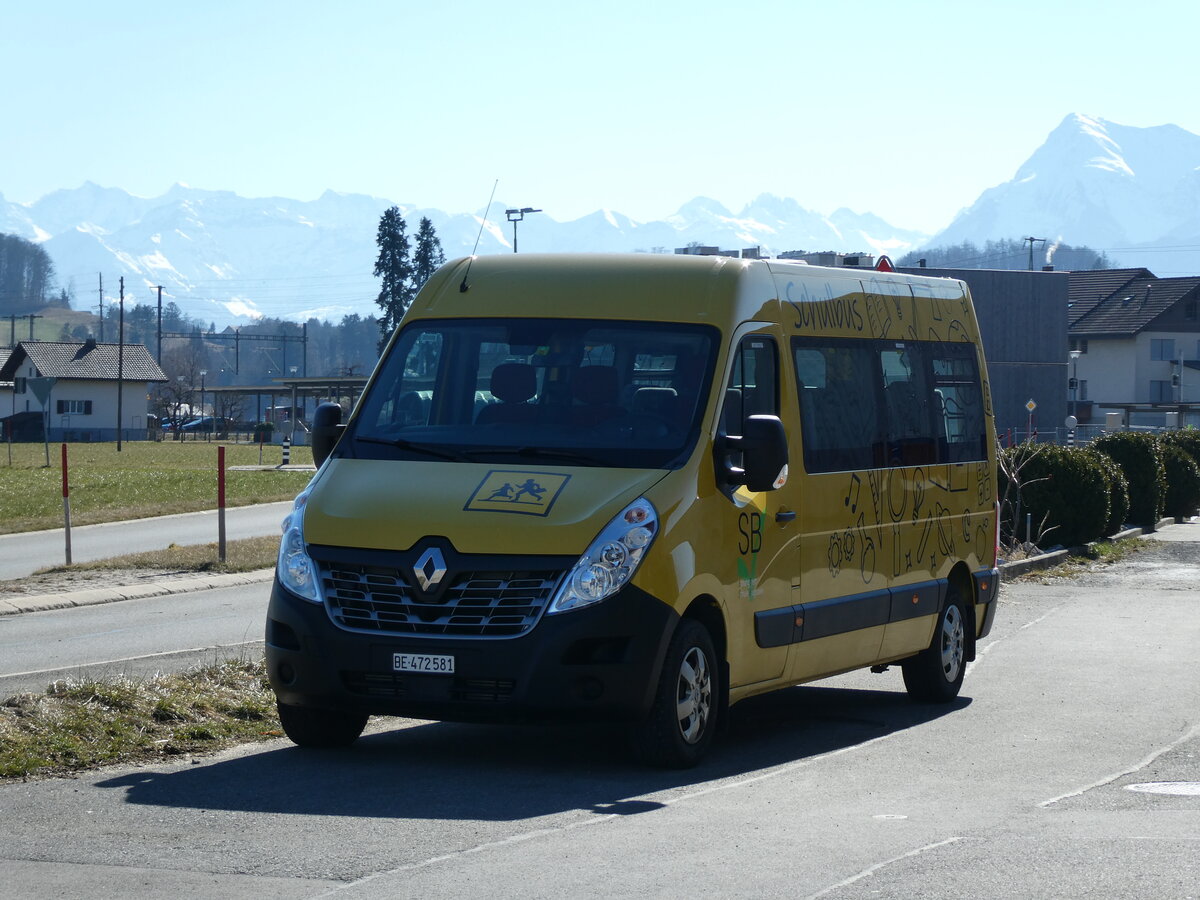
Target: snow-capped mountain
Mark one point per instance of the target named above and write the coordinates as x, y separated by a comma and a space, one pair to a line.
227, 258
1128, 191
1131, 192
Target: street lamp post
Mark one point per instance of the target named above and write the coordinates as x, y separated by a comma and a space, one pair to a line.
1075, 354
292, 411
203, 373
515, 216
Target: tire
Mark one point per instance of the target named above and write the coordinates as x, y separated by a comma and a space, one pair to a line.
310, 727
935, 675
683, 719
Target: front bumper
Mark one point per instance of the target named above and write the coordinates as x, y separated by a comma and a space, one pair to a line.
600, 662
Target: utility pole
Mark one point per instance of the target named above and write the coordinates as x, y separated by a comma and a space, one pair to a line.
160, 287
1031, 241
120, 362
31, 317
101, 275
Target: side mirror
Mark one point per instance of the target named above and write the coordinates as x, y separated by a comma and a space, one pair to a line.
327, 429
763, 448
764, 452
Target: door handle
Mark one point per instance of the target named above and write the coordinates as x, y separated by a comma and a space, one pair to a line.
785, 515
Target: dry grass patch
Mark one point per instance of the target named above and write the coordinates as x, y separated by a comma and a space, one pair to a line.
245, 555
85, 724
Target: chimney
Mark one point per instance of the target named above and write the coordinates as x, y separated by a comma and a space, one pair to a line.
88, 346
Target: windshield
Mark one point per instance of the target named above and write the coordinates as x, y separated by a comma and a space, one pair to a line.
574, 391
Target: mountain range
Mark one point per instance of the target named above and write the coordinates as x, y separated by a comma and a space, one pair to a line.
1132, 192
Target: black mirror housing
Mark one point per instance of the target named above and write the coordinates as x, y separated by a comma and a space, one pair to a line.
327, 429
764, 452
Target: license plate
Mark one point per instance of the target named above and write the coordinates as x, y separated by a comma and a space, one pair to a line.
424, 663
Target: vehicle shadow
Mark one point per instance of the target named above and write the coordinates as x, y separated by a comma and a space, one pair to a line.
508, 773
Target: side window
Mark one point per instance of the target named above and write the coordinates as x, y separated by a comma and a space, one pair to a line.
753, 387
911, 435
958, 403
878, 404
839, 405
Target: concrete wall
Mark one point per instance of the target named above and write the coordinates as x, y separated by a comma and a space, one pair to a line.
1023, 321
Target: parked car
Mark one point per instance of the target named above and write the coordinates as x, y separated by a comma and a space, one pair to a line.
205, 425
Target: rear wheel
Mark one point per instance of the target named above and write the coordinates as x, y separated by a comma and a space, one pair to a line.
935, 674
683, 719
310, 727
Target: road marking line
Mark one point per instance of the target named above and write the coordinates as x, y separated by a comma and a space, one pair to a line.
728, 786
490, 845
979, 654
113, 662
598, 819
865, 873
1191, 733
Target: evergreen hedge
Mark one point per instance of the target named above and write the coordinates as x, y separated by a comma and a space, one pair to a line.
1065, 489
1186, 439
1140, 457
1183, 482
1118, 492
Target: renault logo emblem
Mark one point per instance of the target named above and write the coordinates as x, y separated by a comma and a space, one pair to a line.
430, 568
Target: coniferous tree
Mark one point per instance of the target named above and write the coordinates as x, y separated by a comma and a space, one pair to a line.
395, 268
428, 255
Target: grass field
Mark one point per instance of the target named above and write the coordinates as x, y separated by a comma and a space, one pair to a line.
145, 478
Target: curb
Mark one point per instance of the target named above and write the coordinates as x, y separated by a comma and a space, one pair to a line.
1011, 570
95, 596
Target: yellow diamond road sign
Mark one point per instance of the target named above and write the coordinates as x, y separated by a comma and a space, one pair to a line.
1031, 406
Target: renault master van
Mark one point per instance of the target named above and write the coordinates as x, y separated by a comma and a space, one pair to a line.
641, 489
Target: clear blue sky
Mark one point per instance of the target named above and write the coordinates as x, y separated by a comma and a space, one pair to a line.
908, 110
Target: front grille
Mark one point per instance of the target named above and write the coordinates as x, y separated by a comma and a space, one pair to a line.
476, 604
400, 687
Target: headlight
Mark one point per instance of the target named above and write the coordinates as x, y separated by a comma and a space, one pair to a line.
611, 559
295, 569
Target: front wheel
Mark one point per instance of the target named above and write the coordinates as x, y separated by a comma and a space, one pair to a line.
310, 727
683, 719
935, 675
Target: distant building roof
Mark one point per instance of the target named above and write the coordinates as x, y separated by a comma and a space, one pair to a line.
87, 360
1088, 289
1132, 305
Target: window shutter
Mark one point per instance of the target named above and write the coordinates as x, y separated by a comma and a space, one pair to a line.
60, 405
87, 407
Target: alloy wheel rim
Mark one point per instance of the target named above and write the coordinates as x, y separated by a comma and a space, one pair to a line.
953, 642
693, 701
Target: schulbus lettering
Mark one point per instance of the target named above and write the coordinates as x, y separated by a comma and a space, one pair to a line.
819, 313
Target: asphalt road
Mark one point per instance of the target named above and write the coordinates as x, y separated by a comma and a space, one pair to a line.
23, 554
134, 637
1087, 687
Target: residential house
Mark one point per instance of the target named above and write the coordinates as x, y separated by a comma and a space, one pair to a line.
1135, 347
6, 396
83, 400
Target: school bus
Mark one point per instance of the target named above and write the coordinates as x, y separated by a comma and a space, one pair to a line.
640, 489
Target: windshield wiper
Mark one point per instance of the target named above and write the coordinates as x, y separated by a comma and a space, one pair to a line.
411, 445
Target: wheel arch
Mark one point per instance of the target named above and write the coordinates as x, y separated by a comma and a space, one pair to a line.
707, 611
960, 579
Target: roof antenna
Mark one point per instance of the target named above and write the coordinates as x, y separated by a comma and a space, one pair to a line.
462, 288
